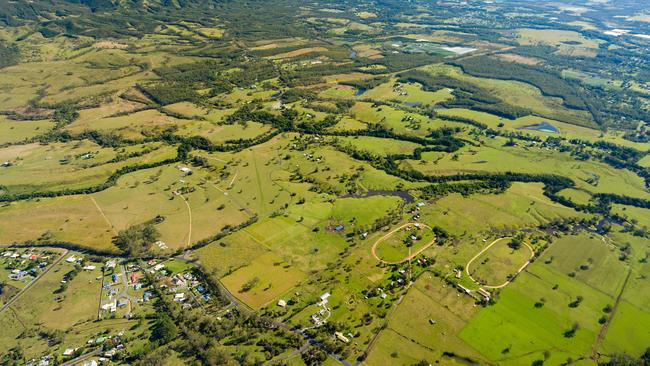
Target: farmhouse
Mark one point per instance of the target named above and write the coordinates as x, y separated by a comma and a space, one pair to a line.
110, 307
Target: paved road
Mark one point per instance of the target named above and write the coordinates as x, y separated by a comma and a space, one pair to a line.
29, 285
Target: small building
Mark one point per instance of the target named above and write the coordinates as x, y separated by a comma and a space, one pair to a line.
325, 296
122, 302
486, 295
71, 259
134, 277
89, 268
179, 297
146, 296
184, 169
68, 352
464, 289
341, 337
158, 267
111, 307
111, 264
282, 303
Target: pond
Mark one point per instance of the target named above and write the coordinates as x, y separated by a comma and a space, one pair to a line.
359, 92
542, 127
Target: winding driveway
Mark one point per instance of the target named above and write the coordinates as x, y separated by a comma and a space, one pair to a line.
412, 255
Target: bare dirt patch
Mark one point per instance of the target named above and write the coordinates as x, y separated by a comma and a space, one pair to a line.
519, 59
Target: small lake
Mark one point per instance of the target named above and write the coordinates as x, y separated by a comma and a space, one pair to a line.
413, 104
353, 54
276, 95
542, 127
360, 91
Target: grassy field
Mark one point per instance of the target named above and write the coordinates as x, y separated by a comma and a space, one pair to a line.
132, 126
379, 146
17, 131
71, 165
565, 130
393, 247
266, 278
534, 313
494, 266
521, 205
519, 94
409, 94
591, 176
68, 219
411, 336
565, 40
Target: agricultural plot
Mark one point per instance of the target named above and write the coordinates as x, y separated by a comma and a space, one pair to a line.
426, 326
594, 177
499, 263
518, 94
35, 167
403, 243
379, 146
263, 280
17, 131
558, 300
131, 126
521, 205
410, 94
286, 164
570, 43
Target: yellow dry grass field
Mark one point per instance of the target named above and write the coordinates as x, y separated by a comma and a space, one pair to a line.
298, 52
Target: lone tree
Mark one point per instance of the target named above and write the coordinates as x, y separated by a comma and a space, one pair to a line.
137, 240
516, 242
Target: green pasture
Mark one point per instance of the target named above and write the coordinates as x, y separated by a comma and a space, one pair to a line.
518, 94
220, 133
494, 266
132, 126
394, 247
70, 165
524, 204
493, 156
379, 146
409, 93
17, 131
